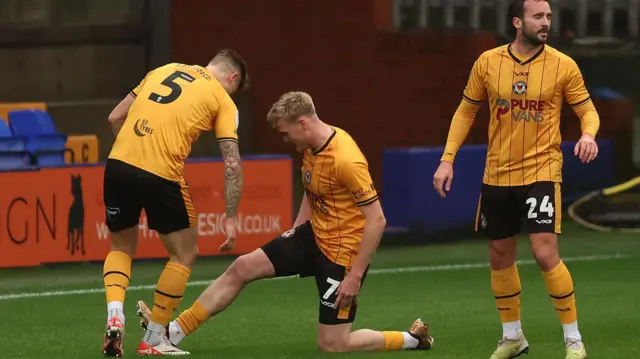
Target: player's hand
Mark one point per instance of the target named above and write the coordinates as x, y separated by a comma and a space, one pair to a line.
229, 230
347, 292
586, 149
443, 177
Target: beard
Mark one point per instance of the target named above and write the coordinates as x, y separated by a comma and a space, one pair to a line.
532, 37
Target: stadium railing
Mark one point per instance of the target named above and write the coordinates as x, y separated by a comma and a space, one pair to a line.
579, 11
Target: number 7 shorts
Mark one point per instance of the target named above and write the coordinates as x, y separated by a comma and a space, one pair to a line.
295, 252
504, 211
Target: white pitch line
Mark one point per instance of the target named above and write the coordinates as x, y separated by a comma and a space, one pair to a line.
200, 283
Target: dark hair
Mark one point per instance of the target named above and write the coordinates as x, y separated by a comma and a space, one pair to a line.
236, 61
516, 9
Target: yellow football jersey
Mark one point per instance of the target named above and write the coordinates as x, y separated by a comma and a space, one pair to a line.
174, 104
337, 182
525, 97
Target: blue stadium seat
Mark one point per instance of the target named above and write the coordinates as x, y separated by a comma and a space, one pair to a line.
38, 128
9, 142
12, 149
14, 161
43, 141
50, 158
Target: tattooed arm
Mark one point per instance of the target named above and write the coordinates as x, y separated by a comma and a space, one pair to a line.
226, 127
232, 176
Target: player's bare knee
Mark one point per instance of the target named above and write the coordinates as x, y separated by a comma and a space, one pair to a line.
332, 345
127, 248
499, 263
187, 258
252, 266
334, 338
545, 250
185, 255
502, 253
546, 259
125, 241
241, 269
182, 246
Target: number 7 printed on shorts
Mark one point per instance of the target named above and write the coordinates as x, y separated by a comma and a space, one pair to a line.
334, 286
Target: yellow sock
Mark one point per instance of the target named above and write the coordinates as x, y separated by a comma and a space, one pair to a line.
393, 340
560, 287
169, 292
506, 289
191, 319
117, 273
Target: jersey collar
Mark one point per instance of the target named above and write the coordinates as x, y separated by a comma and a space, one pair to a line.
333, 134
518, 61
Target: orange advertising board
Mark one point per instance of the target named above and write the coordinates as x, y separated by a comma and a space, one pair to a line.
57, 215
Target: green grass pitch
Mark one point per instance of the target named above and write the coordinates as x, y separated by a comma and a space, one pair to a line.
447, 285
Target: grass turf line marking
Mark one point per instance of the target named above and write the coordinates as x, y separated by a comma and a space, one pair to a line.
201, 283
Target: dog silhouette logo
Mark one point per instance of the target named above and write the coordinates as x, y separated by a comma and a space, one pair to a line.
75, 228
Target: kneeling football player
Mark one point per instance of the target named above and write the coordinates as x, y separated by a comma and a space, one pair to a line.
336, 233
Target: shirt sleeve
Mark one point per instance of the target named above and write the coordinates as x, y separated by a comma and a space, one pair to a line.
227, 121
575, 92
476, 91
577, 96
136, 90
354, 174
460, 126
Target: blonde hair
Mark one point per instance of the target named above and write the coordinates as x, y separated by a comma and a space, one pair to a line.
291, 106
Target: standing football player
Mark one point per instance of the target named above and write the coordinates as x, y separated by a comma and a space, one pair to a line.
525, 83
155, 126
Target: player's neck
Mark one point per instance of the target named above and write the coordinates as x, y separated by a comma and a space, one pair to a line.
523, 48
211, 69
321, 134
219, 76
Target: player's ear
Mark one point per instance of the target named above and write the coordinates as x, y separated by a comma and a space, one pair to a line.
232, 77
517, 23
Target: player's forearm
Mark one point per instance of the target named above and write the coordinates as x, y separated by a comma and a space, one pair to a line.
589, 118
116, 126
460, 126
373, 230
232, 176
304, 214
116, 121
119, 114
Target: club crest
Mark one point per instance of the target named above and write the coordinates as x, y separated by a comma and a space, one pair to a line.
519, 88
288, 233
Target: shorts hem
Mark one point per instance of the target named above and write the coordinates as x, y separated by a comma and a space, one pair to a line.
271, 256
544, 232
499, 238
336, 322
120, 228
165, 232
